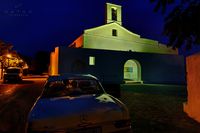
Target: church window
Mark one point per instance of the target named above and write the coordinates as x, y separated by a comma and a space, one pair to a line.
114, 32
91, 60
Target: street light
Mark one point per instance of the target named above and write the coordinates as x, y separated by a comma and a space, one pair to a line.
8, 55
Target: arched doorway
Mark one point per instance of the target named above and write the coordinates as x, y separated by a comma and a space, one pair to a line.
132, 71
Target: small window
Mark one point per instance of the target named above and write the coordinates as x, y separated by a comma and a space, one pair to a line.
114, 14
91, 60
114, 32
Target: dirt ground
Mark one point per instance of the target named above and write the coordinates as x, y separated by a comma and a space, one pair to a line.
158, 109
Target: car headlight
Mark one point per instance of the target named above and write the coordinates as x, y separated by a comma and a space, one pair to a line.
122, 123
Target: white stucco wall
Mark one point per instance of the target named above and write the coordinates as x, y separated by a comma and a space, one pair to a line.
101, 38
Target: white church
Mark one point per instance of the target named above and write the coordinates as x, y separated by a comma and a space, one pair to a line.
116, 55
113, 36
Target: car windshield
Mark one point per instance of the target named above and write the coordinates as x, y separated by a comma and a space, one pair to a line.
13, 71
71, 87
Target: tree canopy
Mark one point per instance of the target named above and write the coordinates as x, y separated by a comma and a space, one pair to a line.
182, 24
5, 47
14, 59
41, 62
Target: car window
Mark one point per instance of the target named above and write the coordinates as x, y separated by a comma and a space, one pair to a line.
71, 87
13, 71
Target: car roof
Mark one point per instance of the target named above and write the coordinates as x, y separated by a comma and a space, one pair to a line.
13, 68
65, 76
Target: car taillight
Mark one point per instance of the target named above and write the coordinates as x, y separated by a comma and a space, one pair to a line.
122, 123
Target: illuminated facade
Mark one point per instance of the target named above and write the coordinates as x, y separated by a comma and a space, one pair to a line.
53, 68
113, 36
114, 54
192, 106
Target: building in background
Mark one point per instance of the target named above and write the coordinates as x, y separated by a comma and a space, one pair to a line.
116, 55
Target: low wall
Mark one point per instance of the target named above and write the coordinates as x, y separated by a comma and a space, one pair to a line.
192, 107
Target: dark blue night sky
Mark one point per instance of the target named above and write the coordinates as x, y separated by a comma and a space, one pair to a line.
32, 25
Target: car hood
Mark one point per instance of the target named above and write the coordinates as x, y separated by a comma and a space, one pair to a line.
11, 74
64, 112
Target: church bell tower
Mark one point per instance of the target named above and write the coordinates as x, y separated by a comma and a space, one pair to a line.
113, 13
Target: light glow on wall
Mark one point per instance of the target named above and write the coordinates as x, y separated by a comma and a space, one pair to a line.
78, 43
192, 106
102, 38
53, 68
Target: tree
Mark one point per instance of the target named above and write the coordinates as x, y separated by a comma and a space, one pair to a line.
13, 61
41, 62
182, 24
4, 49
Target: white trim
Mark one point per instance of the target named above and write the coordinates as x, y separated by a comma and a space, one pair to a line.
113, 4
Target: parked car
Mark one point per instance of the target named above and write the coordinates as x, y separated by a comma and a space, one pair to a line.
13, 74
74, 103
